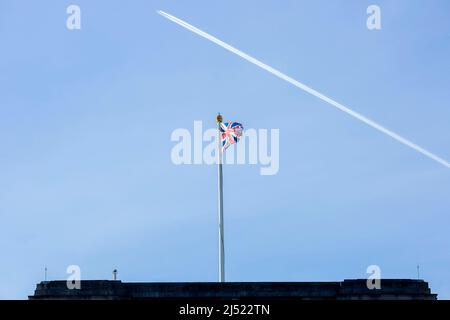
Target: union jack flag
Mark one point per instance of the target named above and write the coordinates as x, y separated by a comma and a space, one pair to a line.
230, 132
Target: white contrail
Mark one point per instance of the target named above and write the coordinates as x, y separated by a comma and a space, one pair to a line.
304, 87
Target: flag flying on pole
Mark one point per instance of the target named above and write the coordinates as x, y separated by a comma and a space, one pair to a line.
230, 132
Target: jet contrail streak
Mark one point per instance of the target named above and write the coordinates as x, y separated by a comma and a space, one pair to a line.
304, 87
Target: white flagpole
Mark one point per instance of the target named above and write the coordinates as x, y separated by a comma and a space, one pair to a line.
220, 202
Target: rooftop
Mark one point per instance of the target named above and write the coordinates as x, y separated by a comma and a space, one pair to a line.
391, 289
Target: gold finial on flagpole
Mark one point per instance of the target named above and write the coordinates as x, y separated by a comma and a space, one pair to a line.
219, 118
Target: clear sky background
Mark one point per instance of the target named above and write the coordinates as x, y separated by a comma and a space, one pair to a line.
86, 117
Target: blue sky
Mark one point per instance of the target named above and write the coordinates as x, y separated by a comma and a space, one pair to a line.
86, 117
